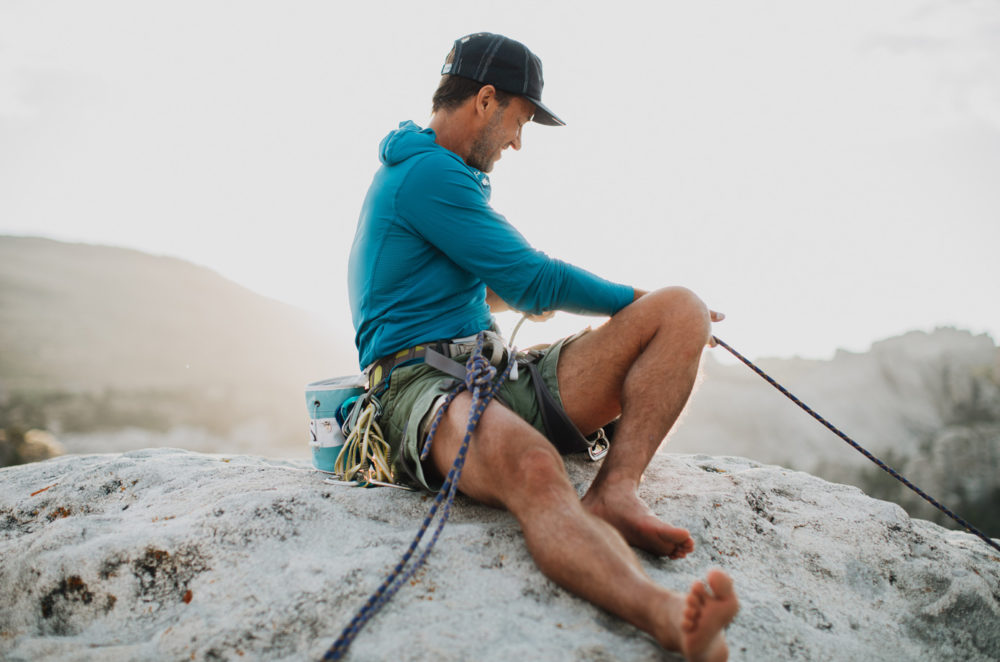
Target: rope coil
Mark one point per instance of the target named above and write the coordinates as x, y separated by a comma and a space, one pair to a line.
479, 382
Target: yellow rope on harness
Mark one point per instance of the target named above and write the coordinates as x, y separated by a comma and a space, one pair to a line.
365, 455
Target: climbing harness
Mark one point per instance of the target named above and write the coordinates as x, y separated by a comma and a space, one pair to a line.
882, 465
479, 381
356, 453
438, 355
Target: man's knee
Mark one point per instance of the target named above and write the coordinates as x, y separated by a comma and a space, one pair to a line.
509, 462
683, 312
540, 462
539, 471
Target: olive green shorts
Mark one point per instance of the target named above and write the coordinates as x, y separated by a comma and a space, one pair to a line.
414, 396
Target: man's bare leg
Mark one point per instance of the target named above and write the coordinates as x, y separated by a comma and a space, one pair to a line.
510, 464
642, 364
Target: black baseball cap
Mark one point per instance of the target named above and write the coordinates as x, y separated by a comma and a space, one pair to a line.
507, 65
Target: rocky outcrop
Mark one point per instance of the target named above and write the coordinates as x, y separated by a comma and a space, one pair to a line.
926, 403
169, 555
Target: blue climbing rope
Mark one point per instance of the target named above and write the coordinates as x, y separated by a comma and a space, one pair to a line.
479, 381
882, 465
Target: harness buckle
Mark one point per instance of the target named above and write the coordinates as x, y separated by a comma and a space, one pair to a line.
600, 447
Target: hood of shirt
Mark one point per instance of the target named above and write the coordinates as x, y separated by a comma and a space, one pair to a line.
410, 140
407, 141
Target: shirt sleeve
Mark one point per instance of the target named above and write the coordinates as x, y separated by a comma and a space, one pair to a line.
444, 203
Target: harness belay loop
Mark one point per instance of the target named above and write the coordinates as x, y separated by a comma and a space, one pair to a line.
479, 381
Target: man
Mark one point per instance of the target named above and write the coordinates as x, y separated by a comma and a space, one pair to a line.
432, 259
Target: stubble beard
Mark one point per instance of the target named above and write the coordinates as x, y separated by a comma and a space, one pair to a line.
486, 145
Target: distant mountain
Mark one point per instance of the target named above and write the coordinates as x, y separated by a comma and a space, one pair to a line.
97, 337
926, 403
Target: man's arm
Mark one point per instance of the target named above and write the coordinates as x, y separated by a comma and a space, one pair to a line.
496, 304
445, 205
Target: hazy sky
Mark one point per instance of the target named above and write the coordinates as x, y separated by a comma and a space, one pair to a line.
827, 174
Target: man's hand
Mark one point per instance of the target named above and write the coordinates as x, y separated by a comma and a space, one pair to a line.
498, 305
716, 317
541, 317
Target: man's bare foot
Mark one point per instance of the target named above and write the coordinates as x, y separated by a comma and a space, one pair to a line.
705, 616
637, 523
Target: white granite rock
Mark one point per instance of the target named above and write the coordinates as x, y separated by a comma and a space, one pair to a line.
169, 555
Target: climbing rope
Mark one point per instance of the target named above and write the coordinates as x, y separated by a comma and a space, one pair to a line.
882, 465
517, 327
479, 381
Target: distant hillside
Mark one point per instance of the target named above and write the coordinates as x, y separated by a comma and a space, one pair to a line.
927, 403
113, 331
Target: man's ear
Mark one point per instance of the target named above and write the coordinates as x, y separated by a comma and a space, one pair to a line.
486, 98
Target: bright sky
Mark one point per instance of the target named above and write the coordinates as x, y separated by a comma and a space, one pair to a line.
827, 174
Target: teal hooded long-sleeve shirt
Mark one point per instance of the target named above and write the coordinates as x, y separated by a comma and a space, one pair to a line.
428, 244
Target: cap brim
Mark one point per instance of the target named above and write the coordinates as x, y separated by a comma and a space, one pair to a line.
545, 116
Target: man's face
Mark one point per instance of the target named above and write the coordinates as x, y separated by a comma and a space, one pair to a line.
502, 131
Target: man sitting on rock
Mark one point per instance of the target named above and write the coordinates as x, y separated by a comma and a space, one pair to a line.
432, 259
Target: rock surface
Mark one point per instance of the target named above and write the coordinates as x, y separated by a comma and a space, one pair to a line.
167, 555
